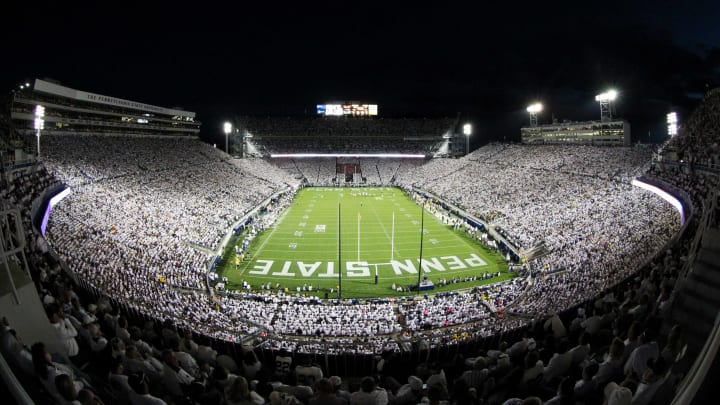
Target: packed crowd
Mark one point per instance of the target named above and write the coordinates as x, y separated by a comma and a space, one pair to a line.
698, 141
143, 223
335, 134
614, 347
111, 183
588, 216
372, 171
23, 186
334, 320
519, 196
348, 127
146, 218
619, 346
273, 145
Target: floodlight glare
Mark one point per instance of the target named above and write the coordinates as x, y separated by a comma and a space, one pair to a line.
672, 124
227, 127
535, 108
609, 95
606, 100
39, 124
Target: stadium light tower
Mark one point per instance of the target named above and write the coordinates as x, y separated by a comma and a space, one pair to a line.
534, 109
227, 128
467, 130
39, 124
606, 99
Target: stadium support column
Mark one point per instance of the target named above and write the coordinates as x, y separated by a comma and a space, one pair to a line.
422, 232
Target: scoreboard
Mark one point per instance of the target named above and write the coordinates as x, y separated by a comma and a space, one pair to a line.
347, 109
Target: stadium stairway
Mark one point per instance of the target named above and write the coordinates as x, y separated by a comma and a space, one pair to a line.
709, 260
698, 302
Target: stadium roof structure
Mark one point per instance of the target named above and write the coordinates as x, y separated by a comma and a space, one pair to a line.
347, 155
68, 110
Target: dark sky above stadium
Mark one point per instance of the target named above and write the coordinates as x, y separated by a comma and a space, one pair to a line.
483, 60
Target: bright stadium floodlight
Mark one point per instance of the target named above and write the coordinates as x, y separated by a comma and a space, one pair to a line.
609, 95
605, 99
227, 128
672, 124
39, 124
534, 109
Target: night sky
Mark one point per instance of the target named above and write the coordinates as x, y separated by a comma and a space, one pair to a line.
486, 62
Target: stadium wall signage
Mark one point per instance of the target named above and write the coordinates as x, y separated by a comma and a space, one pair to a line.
55, 89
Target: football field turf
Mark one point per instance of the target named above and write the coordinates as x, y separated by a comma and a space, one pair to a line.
379, 234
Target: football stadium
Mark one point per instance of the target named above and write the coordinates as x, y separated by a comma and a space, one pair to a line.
347, 253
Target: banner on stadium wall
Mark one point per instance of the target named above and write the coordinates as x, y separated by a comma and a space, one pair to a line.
52, 88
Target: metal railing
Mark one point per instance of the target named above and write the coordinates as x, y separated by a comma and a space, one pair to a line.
16, 389
12, 244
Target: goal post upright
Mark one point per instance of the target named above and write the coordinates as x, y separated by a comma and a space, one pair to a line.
340, 267
422, 232
392, 238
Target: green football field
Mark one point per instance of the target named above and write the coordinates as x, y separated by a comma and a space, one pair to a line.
379, 235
